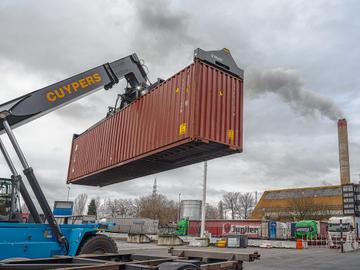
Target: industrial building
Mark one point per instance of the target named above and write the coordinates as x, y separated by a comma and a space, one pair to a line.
317, 203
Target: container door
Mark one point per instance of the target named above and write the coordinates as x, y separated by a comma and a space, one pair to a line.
272, 230
293, 230
265, 230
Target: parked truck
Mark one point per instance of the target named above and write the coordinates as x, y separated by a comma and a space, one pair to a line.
310, 229
343, 228
182, 227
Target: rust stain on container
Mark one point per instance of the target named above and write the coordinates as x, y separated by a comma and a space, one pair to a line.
182, 121
343, 152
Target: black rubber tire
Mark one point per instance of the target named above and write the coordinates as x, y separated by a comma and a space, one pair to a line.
97, 244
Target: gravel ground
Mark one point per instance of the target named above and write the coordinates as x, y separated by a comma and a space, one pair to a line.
271, 259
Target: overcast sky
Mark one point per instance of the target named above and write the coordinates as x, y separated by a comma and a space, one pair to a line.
301, 62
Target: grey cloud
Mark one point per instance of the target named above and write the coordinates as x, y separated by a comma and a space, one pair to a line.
163, 34
289, 86
64, 37
78, 111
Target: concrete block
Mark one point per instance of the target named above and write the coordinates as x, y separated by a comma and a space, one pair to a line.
169, 240
138, 238
199, 242
272, 243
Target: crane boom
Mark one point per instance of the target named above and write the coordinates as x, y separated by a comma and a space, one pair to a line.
35, 104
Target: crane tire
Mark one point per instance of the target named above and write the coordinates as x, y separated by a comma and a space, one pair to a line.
98, 244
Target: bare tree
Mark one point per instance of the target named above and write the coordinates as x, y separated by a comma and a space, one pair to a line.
302, 207
111, 207
157, 207
231, 202
120, 207
247, 204
211, 212
98, 205
80, 204
131, 208
125, 207
102, 209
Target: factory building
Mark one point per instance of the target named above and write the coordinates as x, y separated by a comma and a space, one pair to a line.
318, 203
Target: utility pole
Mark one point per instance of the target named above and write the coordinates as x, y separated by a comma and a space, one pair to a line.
179, 214
341, 237
203, 206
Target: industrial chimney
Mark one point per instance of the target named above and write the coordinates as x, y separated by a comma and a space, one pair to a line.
343, 152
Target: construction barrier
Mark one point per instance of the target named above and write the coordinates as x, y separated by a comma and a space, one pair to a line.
299, 243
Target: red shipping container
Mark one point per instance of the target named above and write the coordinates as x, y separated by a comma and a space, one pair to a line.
322, 229
253, 228
195, 115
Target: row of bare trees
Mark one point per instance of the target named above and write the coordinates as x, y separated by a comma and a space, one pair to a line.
158, 206
301, 207
240, 205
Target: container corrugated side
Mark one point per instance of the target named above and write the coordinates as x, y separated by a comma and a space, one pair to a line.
193, 116
220, 228
134, 225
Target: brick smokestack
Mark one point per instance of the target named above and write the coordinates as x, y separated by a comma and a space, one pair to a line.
343, 152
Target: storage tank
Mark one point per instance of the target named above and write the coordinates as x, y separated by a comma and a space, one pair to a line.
190, 209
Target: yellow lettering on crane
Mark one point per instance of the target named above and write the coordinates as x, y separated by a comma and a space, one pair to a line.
50, 96
67, 88
60, 93
97, 77
75, 86
90, 80
70, 88
83, 83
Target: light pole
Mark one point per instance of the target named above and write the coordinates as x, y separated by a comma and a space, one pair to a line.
203, 205
179, 207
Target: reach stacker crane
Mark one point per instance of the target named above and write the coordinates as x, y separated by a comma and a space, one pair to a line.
45, 238
42, 239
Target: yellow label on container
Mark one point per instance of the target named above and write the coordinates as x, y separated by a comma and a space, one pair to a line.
187, 89
226, 50
182, 129
231, 134
177, 90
